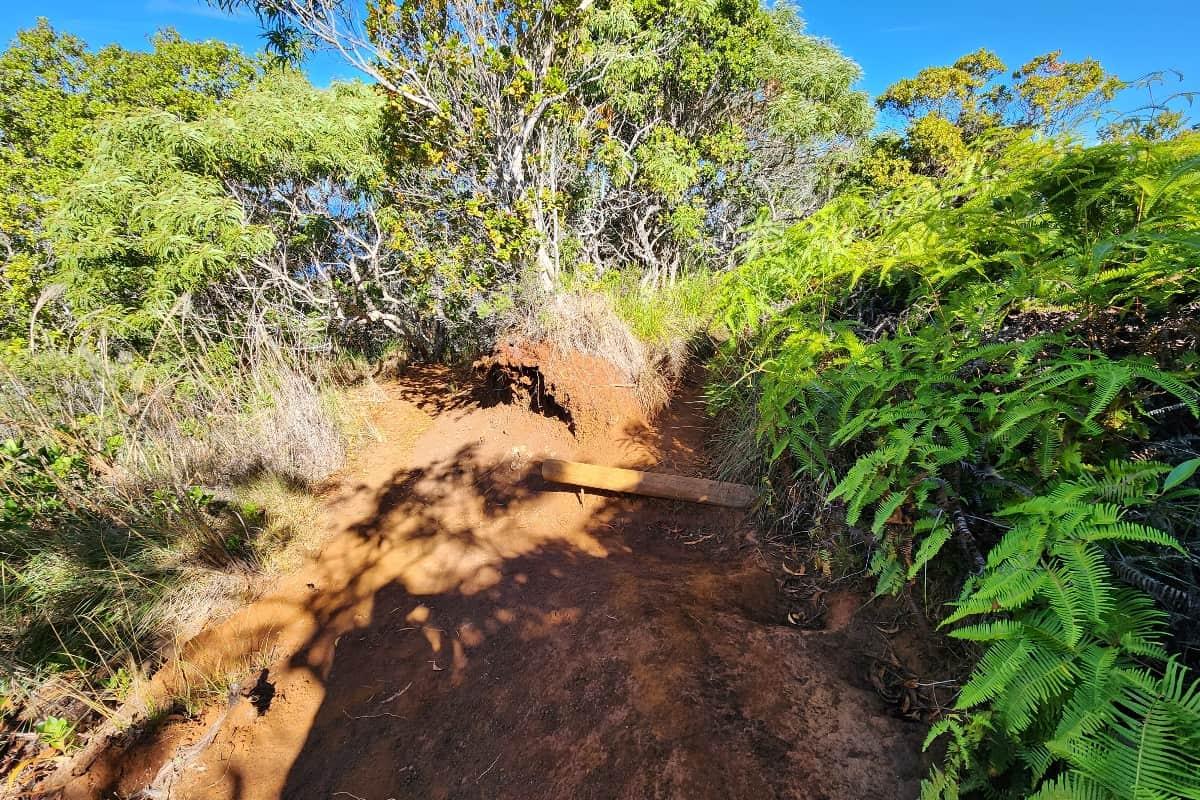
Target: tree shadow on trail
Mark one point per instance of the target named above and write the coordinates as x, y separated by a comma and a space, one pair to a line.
475, 632
453, 695
563, 674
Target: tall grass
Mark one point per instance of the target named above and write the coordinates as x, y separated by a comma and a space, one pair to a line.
143, 494
646, 333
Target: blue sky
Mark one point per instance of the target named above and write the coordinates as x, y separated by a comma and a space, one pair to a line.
890, 40
130, 23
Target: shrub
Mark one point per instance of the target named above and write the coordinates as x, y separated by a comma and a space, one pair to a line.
1005, 359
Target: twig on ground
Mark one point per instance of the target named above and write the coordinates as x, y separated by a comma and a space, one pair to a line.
169, 774
489, 769
397, 694
371, 716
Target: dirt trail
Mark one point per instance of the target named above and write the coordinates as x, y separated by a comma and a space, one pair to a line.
470, 631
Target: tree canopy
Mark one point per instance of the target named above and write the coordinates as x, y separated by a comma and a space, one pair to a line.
527, 136
53, 94
168, 205
946, 108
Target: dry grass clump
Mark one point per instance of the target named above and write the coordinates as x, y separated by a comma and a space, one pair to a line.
162, 495
588, 322
215, 429
291, 523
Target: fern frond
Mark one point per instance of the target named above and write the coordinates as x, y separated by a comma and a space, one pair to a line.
1049, 447
1089, 578
1152, 749
1068, 604
930, 546
1122, 531
1183, 392
1071, 786
1110, 379
1001, 663
989, 631
1045, 676
886, 508
1023, 544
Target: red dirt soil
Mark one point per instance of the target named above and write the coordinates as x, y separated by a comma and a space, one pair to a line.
586, 392
473, 632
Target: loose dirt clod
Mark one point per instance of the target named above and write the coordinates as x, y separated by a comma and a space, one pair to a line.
547, 645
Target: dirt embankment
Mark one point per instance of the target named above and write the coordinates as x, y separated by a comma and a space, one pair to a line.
470, 631
588, 394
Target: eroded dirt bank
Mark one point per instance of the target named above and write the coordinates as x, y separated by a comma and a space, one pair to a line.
472, 632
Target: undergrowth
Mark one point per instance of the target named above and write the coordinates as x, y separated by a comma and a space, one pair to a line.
996, 373
146, 496
646, 333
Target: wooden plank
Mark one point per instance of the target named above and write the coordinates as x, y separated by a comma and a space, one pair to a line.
671, 487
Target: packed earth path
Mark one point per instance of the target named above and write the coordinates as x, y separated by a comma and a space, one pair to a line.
470, 631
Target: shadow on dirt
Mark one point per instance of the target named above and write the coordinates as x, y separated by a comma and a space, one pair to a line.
478, 633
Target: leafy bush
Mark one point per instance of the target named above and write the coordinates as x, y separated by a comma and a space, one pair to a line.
1006, 359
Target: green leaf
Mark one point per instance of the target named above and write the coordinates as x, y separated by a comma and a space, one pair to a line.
931, 545
1180, 474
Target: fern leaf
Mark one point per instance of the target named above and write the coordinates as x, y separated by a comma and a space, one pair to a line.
1049, 446
930, 546
1065, 600
1044, 678
989, 631
1110, 380
1184, 392
1123, 531
1089, 578
885, 510
1001, 663
1071, 786
1006, 591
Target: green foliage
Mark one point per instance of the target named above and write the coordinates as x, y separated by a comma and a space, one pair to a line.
526, 139
56, 732
998, 353
162, 208
935, 144
948, 108
1062, 673
1046, 93
157, 203
967, 360
662, 316
910, 411
1056, 228
704, 106
52, 90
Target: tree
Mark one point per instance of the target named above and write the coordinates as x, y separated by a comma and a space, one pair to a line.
718, 114
946, 109
52, 90
528, 135
271, 192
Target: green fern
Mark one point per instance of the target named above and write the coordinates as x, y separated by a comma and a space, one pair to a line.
961, 415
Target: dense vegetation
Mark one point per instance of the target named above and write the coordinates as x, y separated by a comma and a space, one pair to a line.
968, 347
1006, 358
162, 384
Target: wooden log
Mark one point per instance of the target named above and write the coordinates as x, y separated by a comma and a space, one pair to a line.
671, 487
